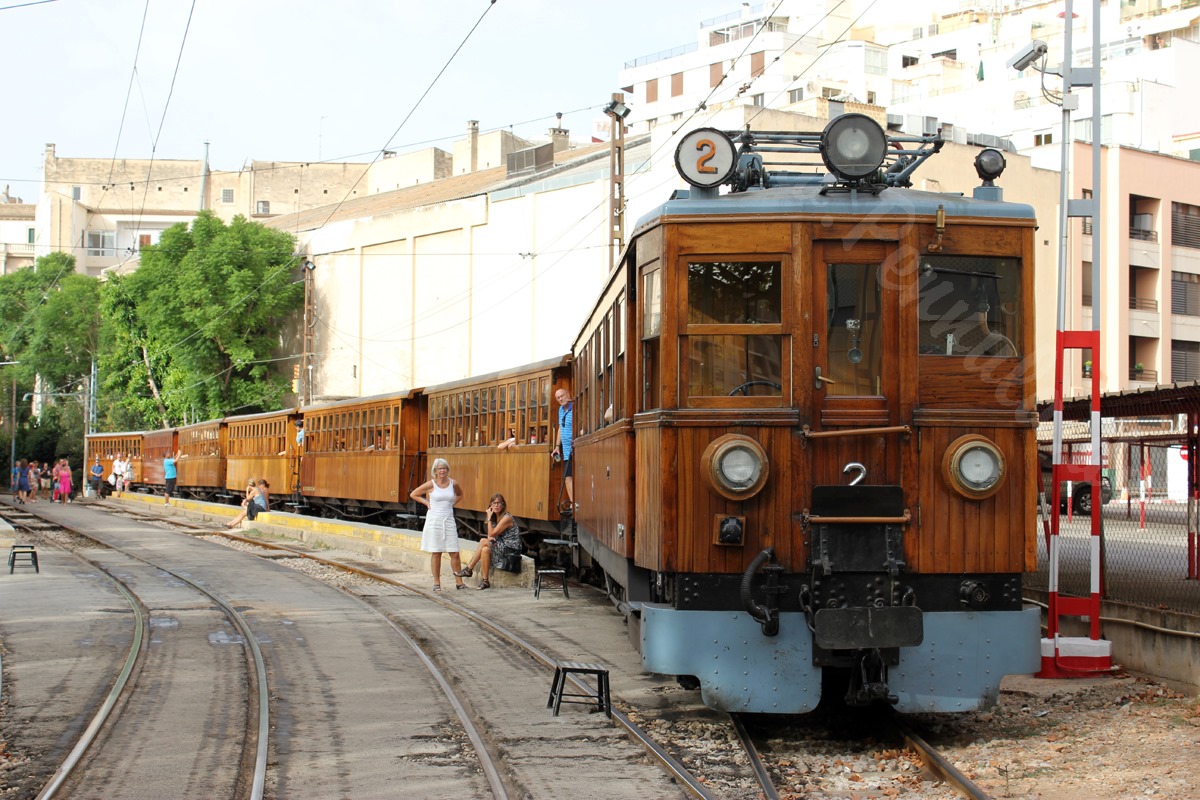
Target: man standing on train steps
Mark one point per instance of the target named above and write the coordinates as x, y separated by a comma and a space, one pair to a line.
563, 441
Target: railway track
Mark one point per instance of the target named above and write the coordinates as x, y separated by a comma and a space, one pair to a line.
100, 745
672, 759
935, 764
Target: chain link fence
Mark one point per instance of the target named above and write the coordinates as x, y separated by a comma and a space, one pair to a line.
1149, 545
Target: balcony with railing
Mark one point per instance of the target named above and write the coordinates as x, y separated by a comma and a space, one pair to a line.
1143, 248
1143, 304
1143, 375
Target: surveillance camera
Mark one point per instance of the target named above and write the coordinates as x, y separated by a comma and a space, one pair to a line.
1028, 54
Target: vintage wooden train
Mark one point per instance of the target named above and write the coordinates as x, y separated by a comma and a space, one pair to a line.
804, 430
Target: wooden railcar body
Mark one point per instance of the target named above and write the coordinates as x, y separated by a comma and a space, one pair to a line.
109, 445
361, 455
831, 332
155, 447
468, 420
200, 468
260, 446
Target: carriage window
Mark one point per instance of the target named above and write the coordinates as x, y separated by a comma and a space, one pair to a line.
748, 360
970, 306
733, 293
853, 329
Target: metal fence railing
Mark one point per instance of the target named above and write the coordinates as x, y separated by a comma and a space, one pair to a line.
1149, 539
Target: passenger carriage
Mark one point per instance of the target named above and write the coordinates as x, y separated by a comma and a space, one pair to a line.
469, 419
260, 446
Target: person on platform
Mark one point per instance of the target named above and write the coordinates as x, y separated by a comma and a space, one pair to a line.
250, 506
64, 483
170, 473
440, 534
97, 478
118, 475
502, 540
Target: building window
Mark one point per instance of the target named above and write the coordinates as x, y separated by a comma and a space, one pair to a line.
875, 60
908, 61
715, 73
871, 98
76, 193
795, 95
1185, 361
652, 90
1185, 225
1040, 139
227, 195
1085, 284
263, 207
102, 243
1185, 294
758, 100
144, 241
677, 84
32, 235
758, 64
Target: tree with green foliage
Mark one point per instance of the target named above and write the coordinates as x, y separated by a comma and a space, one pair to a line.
191, 333
50, 323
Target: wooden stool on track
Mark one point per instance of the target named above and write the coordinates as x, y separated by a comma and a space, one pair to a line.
559, 695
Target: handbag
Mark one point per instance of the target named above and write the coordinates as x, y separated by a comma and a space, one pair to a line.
511, 563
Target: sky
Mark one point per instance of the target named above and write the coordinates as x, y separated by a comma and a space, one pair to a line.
310, 80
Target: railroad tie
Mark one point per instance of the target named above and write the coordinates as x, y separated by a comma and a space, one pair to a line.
23, 553
559, 695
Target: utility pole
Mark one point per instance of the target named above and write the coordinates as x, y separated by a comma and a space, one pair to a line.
617, 111
310, 320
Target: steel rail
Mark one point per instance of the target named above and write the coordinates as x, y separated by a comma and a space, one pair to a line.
760, 769
938, 764
258, 781
486, 758
668, 762
141, 633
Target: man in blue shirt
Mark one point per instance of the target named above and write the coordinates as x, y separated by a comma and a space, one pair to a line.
169, 474
564, 439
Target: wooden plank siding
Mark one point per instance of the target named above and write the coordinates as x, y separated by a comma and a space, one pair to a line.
261, 446
201, 466
155, 446
468, 420
523, 474
604, 485
108, 445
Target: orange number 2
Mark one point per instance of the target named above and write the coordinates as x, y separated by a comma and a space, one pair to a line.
707, 151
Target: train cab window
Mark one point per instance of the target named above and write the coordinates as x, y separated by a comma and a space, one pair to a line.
854, 329
969, 306
734, 329
651, 337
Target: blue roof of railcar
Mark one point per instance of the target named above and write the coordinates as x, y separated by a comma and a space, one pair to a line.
808, 200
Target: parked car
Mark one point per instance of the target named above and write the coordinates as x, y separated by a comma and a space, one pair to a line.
1081, 493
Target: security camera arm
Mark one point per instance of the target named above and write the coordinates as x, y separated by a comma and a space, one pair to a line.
1028, 54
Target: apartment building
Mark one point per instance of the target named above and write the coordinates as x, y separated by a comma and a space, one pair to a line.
104, 210
17, 233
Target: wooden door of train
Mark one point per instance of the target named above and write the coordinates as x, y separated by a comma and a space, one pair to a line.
855, 370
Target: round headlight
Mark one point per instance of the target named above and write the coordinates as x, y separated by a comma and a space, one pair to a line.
974, 467
735, 466
853, 146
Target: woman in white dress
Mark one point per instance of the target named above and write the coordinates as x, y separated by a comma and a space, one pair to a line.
440, 534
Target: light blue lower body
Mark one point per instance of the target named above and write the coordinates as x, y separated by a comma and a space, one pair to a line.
957, 667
